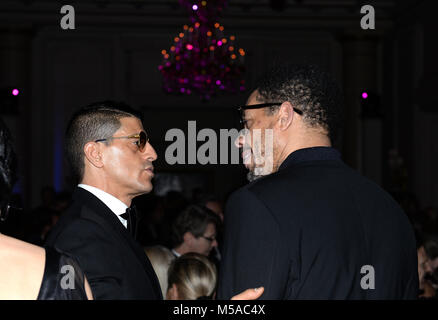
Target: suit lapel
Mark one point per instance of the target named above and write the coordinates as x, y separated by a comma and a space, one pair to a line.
107, 219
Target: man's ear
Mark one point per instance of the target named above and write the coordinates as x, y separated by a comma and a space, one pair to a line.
93, 154
188, 237
285, 115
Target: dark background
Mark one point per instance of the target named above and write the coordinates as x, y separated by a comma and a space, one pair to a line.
116, 48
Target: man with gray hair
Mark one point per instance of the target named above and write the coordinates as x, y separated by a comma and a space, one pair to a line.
195, 230
310, 227
111, 156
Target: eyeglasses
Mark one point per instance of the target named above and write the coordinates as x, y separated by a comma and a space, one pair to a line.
5, 211
259, 106
210, 239
141, 142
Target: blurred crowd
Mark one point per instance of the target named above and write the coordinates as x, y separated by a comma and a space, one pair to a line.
182, 237
177, 233
425, 224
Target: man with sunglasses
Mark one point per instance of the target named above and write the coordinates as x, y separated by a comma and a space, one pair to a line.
308, 226
110, 155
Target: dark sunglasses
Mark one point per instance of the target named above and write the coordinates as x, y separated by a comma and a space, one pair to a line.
259, 106
141, 142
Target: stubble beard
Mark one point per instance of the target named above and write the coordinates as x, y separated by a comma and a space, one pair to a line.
251, 176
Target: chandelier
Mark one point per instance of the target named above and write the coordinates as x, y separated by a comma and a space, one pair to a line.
202, 60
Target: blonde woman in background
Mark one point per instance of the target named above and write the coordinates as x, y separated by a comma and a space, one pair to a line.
160, 258
191, 276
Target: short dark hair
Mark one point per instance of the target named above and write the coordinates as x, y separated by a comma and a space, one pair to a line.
431, 247
8, 164
193, 219
308, 88
98, 120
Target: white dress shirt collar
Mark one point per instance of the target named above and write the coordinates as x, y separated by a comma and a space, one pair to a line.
176, 254
114, 204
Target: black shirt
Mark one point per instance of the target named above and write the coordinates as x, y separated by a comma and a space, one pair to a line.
63, 278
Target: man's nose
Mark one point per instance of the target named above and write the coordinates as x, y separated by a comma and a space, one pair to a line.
149, 152
214, 243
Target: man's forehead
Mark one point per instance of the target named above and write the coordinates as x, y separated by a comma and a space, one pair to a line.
252, 99
211, 227
130, 124
251, 113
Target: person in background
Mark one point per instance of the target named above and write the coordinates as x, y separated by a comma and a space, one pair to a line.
194, 230
29, 272
192, 276
213, 203
431, 247
160, 258
425, 287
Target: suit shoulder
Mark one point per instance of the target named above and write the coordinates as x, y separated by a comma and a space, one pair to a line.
85, 225
77, 227
244, 202
244, 194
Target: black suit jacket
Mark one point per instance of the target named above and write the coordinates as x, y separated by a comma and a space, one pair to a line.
115, 265
306, 231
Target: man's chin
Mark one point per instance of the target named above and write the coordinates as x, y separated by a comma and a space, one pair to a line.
251, 176
146, 188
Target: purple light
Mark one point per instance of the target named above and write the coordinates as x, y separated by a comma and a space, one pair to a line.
183, 90
364, 95
195, 7
218, 82
219, 43
15, 92
189, 47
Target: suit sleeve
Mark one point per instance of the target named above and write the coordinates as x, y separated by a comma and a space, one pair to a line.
93, 249
252, 254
